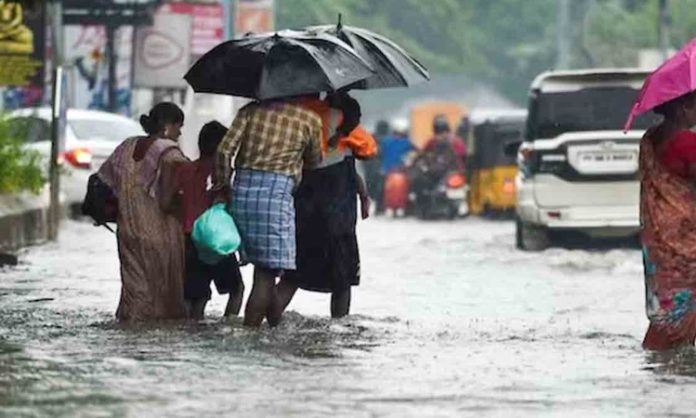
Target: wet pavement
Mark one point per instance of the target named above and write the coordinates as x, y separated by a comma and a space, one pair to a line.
450, 320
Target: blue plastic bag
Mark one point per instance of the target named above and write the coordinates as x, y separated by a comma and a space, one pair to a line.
215, 235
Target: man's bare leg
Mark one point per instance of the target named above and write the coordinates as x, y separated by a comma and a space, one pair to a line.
262, 296
340, 303
234, 303
274, 312
286, 291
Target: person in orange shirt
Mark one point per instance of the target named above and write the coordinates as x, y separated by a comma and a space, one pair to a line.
342, 134
328, 258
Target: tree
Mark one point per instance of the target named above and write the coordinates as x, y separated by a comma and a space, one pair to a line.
20, 168
504, 42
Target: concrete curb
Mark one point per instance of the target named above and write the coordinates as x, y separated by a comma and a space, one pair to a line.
23, 220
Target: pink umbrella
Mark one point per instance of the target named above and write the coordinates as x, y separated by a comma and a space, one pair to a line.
675, 78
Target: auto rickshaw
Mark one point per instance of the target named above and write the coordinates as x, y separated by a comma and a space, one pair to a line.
492, 171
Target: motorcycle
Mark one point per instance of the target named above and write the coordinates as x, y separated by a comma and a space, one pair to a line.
447, 200
437, 195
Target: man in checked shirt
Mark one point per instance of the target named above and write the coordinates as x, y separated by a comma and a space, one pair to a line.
271, 142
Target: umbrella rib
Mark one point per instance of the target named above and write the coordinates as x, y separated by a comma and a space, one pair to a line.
325, 70
365, 35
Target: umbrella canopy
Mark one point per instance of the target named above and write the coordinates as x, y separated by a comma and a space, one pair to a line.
393, 66
275, 65
675, 78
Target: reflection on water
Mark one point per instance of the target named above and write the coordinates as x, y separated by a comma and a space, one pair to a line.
451, 322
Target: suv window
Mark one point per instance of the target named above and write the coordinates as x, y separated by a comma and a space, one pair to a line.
589, 109
31, 128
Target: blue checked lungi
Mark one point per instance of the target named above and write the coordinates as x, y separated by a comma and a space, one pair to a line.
262, 206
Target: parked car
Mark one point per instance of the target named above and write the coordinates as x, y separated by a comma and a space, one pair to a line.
578, 170
91, 136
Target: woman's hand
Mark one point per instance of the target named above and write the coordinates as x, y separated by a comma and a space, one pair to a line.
365, 205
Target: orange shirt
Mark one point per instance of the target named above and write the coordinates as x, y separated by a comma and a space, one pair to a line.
359, 141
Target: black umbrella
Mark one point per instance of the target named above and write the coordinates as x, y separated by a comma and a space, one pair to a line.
275, 65
393, 66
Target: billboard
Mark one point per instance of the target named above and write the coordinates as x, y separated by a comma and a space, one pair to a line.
207, 24
22, 44
85, 52
254, 16
163, 52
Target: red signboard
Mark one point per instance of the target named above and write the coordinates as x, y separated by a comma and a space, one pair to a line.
208, 24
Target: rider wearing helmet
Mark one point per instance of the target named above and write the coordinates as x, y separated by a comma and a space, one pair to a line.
446, 150
444, 153
443, 134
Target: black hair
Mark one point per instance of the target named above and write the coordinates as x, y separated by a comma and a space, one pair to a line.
669, 109
210, 137
382, 128
162, 114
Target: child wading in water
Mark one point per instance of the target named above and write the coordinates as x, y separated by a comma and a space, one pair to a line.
195, 183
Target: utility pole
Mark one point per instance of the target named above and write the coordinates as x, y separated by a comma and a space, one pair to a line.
663, 28
56, 15
112, 61
565, 36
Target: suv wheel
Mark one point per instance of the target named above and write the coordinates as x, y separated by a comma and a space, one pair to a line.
530, 237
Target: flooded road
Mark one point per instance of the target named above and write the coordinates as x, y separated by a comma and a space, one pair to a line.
450, 320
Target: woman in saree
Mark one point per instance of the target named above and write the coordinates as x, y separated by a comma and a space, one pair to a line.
668, 217
150, 239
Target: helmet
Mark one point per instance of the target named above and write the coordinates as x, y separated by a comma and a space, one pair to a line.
400, 126
382, 128
441, 125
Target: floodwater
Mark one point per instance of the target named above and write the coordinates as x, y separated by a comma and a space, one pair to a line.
450, 320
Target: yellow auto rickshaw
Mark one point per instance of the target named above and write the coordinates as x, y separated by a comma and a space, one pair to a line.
492, 171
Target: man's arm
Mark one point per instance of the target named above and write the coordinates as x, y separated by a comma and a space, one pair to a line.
227, 149
313, 153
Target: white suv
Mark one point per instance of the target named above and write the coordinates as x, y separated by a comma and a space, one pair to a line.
578, 169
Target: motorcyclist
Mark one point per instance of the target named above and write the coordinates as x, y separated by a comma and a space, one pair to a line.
442, 154
443, 135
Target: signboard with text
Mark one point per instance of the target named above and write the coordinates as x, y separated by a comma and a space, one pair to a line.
22, 44
255, 16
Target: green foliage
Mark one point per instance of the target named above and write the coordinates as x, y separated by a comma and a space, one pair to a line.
503, 42
20, 168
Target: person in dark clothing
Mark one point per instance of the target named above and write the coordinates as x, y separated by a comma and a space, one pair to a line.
328, 257
194, 182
